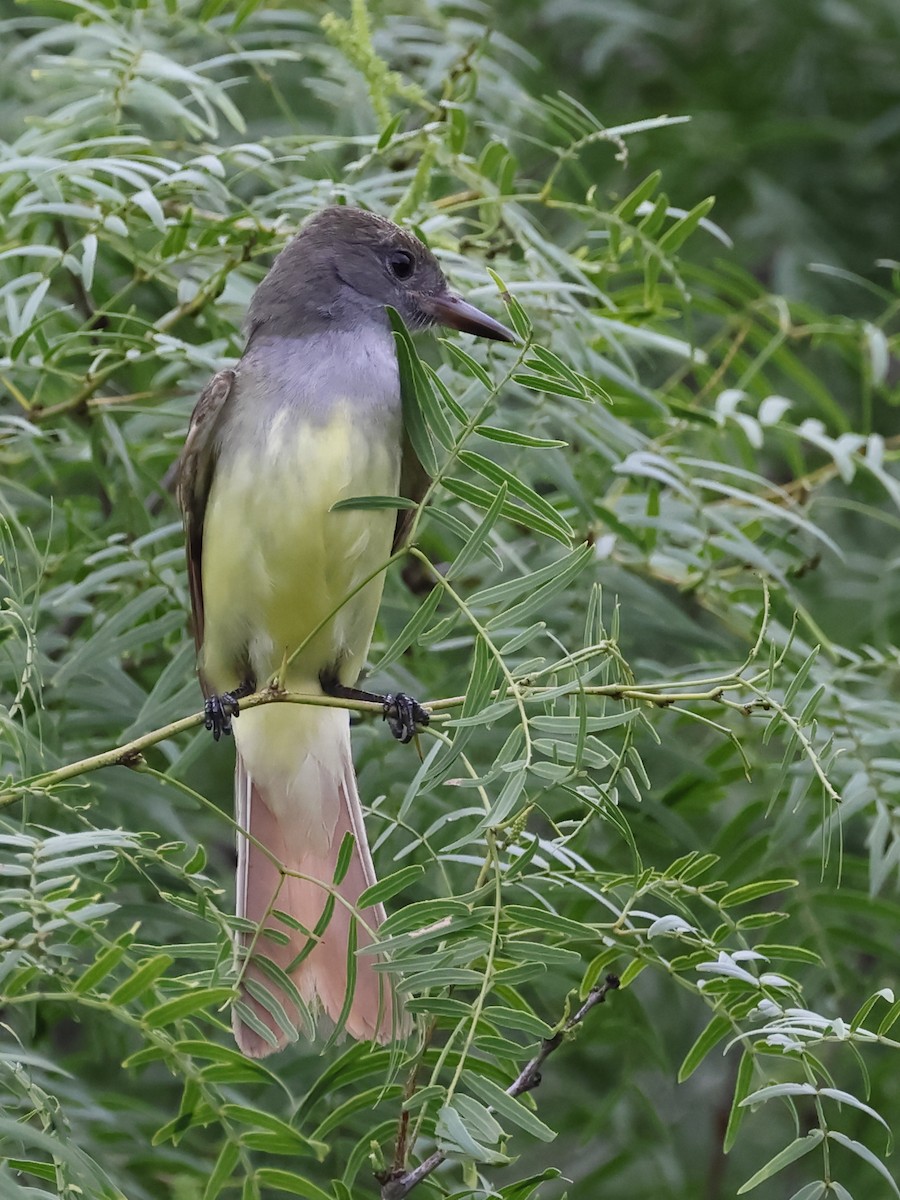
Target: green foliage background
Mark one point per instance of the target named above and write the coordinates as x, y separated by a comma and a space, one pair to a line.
661, 632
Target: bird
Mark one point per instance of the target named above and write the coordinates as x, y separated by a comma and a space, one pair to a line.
284, 588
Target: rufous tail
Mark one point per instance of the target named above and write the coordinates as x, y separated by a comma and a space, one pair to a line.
295, 792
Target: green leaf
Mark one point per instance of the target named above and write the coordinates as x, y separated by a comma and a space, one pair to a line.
799, 954
456, 1141
390, 885
526, 1189
631, 972
105, 962
738, 1111
800, 677
691, 866
525, 637
411, 631
372, 503
425, 913
627, 208
755, 891
255, 1118
572, 725
483, 498
387, 134
30, 1166
798, 1147
286, 1181
147, 973
780, 1089
222, 1170
271, 1004
429, 405
441, 977
547, 384
16, 1133
866, 1007
446, 395
222, 1055
847, 1098
498, 475
889, 1019
473, 546
192, 1002
363, 1100
815, 1190
511, 438
415, 423
538, 588
546, 362
762, 920
516, 1018
540, 918
502, 806
148, 203
518, 317
469, 365
457, 127
866, 1155
344, 858
440, 1006
351, 969
718, 1028
598, 966
422, 1097
676, 235
507, 1107
196, 862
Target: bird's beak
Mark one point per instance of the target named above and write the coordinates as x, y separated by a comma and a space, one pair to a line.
457, 313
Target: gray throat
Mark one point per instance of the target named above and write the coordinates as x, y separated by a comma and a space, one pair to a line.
309, 377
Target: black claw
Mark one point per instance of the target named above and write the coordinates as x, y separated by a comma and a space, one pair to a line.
219, 713
404, 716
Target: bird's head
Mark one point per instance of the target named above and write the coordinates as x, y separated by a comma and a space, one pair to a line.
345, 266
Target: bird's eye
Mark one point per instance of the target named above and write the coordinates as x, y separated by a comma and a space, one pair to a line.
401, 263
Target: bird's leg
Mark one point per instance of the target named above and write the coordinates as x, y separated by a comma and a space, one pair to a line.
221, 709
403, 714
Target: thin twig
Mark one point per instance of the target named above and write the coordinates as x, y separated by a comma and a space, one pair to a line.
130, 753
612, 691
396, 1186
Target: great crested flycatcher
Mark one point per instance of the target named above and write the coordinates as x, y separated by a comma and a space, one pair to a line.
309, 416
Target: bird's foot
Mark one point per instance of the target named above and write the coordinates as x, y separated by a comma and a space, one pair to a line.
404, 716
222, 708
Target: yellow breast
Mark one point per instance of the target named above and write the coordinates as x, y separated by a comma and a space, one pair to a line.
277, 563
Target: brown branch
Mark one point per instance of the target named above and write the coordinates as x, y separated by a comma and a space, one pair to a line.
129, 752
395, 1186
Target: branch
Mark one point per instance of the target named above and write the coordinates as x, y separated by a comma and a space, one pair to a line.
612, 691
396, 1185
129, 754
